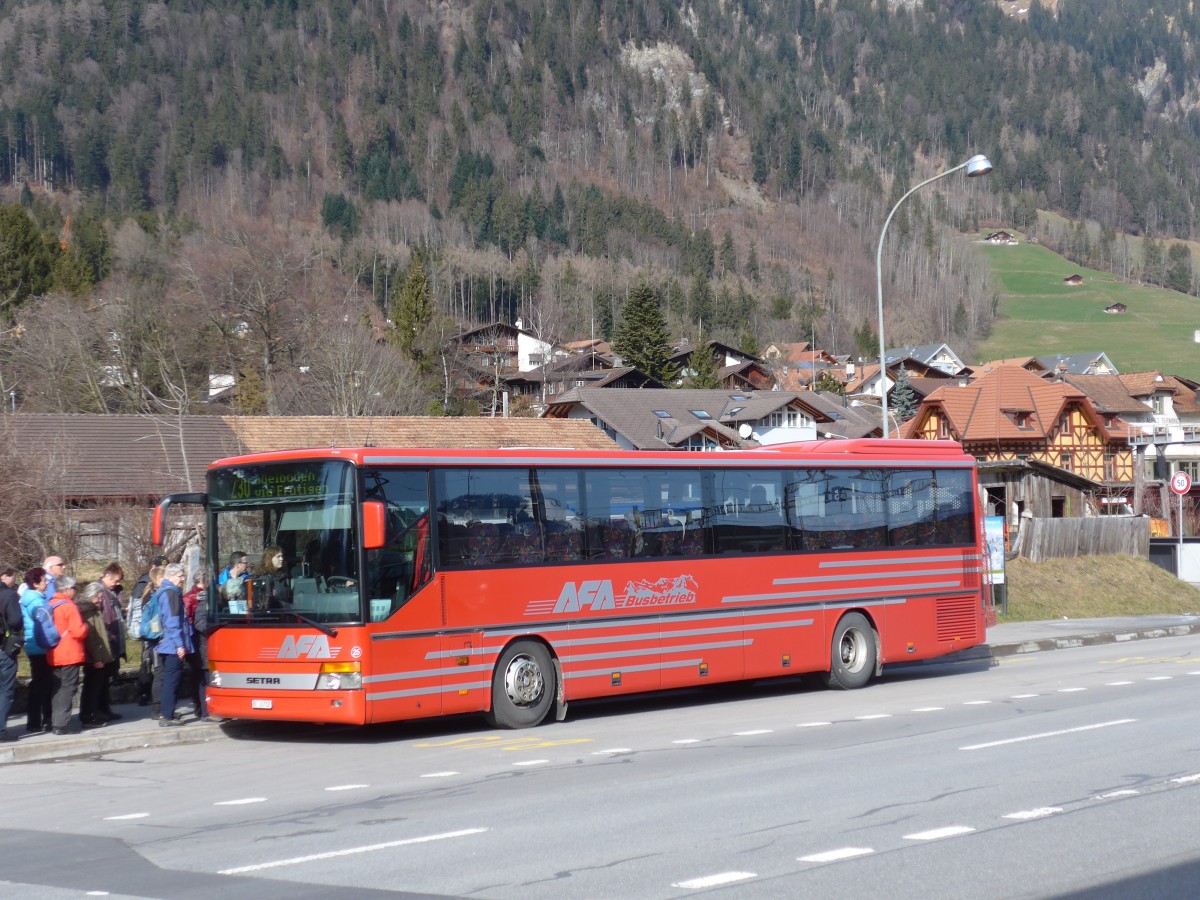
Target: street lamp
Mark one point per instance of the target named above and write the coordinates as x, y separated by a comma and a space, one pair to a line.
976, 165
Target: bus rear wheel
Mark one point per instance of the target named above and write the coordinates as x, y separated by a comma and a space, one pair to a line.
852, 662
523, 686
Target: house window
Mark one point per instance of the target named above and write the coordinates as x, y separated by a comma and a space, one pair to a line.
1021, 419
774, 420
1191, 466
792, 418
1064, 462
1068, 424
1058, 507
662, 414
700, 413
1110, 467
943, 430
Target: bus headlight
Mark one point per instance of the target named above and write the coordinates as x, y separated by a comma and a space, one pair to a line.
345, 676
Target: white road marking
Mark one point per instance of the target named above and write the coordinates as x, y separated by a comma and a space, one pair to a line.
531, 762
332, 854
242, 802
835, 855
929, 709
752, 733
708, 881
96, 894
1118, 683
1034, 813
1159, 678
612, 750
1186, 779
812, 724
936, 834
1070, 690
687, 741
126, 817
347, 787
874, 716
975, 702
1022, 696
440, 774
1194, 673
1111, 794
1046, 734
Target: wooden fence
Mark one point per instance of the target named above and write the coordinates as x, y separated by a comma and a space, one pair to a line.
1042, 539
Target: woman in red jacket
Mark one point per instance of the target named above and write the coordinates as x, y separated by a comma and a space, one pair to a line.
65, 659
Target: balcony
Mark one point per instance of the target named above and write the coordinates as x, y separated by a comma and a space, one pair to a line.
1164, 430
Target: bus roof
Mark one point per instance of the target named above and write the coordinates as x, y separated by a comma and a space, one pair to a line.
840, 452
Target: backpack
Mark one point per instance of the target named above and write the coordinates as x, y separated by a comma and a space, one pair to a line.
44, 630
151, 628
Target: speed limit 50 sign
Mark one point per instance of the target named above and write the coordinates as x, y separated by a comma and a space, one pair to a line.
1181, 483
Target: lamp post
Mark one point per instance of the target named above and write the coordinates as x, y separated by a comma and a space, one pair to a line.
975, 166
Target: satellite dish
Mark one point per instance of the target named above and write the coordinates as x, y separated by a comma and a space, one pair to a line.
745, 430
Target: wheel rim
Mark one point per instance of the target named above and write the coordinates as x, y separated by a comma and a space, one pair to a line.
854, 650
523, 681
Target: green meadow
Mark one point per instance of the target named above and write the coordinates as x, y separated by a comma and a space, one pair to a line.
1041, 315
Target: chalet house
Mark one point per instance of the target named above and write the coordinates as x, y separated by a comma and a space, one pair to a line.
685, 419
1073, 280
1028, 363
935, 356
545, 383
1001, 237
501, 348
1116, 309
866, 379
1078, 364
1011, 416
804, 369
784, 353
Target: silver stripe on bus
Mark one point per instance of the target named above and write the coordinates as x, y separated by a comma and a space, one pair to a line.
625, 654
426, 673
866, 576
650, 667
873, 589
898, 560
430, 691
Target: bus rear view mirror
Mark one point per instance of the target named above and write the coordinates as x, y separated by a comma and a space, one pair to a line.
374, 524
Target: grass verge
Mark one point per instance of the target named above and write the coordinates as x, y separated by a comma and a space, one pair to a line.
1094, 586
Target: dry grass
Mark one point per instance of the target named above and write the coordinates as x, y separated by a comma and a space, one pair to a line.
1094, 586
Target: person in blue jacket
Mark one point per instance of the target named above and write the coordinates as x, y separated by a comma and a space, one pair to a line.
41, 684
176, 641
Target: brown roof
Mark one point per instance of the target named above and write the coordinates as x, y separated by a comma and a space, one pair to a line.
1109, 393
131, 457
984, 410
1143, 384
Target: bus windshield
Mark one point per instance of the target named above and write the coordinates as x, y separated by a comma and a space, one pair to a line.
295, 526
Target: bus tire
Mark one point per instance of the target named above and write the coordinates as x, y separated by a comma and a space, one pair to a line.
523, 686
853, 657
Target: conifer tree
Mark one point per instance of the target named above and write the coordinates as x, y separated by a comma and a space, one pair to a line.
641, 336
412, 311
705, 373
902, 398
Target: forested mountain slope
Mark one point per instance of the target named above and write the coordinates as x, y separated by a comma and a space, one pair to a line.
264, 170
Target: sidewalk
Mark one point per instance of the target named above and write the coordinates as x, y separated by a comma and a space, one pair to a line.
138, 728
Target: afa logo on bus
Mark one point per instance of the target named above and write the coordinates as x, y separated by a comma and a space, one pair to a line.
307, 646
599, 595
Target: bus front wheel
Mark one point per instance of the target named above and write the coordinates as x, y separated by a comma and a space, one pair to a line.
523, 686
852, 662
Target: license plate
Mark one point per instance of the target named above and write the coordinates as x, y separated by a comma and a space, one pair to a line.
260, 704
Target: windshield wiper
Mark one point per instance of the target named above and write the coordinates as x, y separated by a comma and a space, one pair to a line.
324, 629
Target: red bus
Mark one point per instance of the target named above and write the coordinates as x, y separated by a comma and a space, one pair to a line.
420, 582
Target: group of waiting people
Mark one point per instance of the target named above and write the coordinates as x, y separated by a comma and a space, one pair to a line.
93, 627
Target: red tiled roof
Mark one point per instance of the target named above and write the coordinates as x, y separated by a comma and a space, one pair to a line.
980, 410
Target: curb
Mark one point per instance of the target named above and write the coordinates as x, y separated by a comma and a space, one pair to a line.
1088, 640
93, 743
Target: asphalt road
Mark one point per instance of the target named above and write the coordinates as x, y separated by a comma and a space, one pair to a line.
1072, 773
